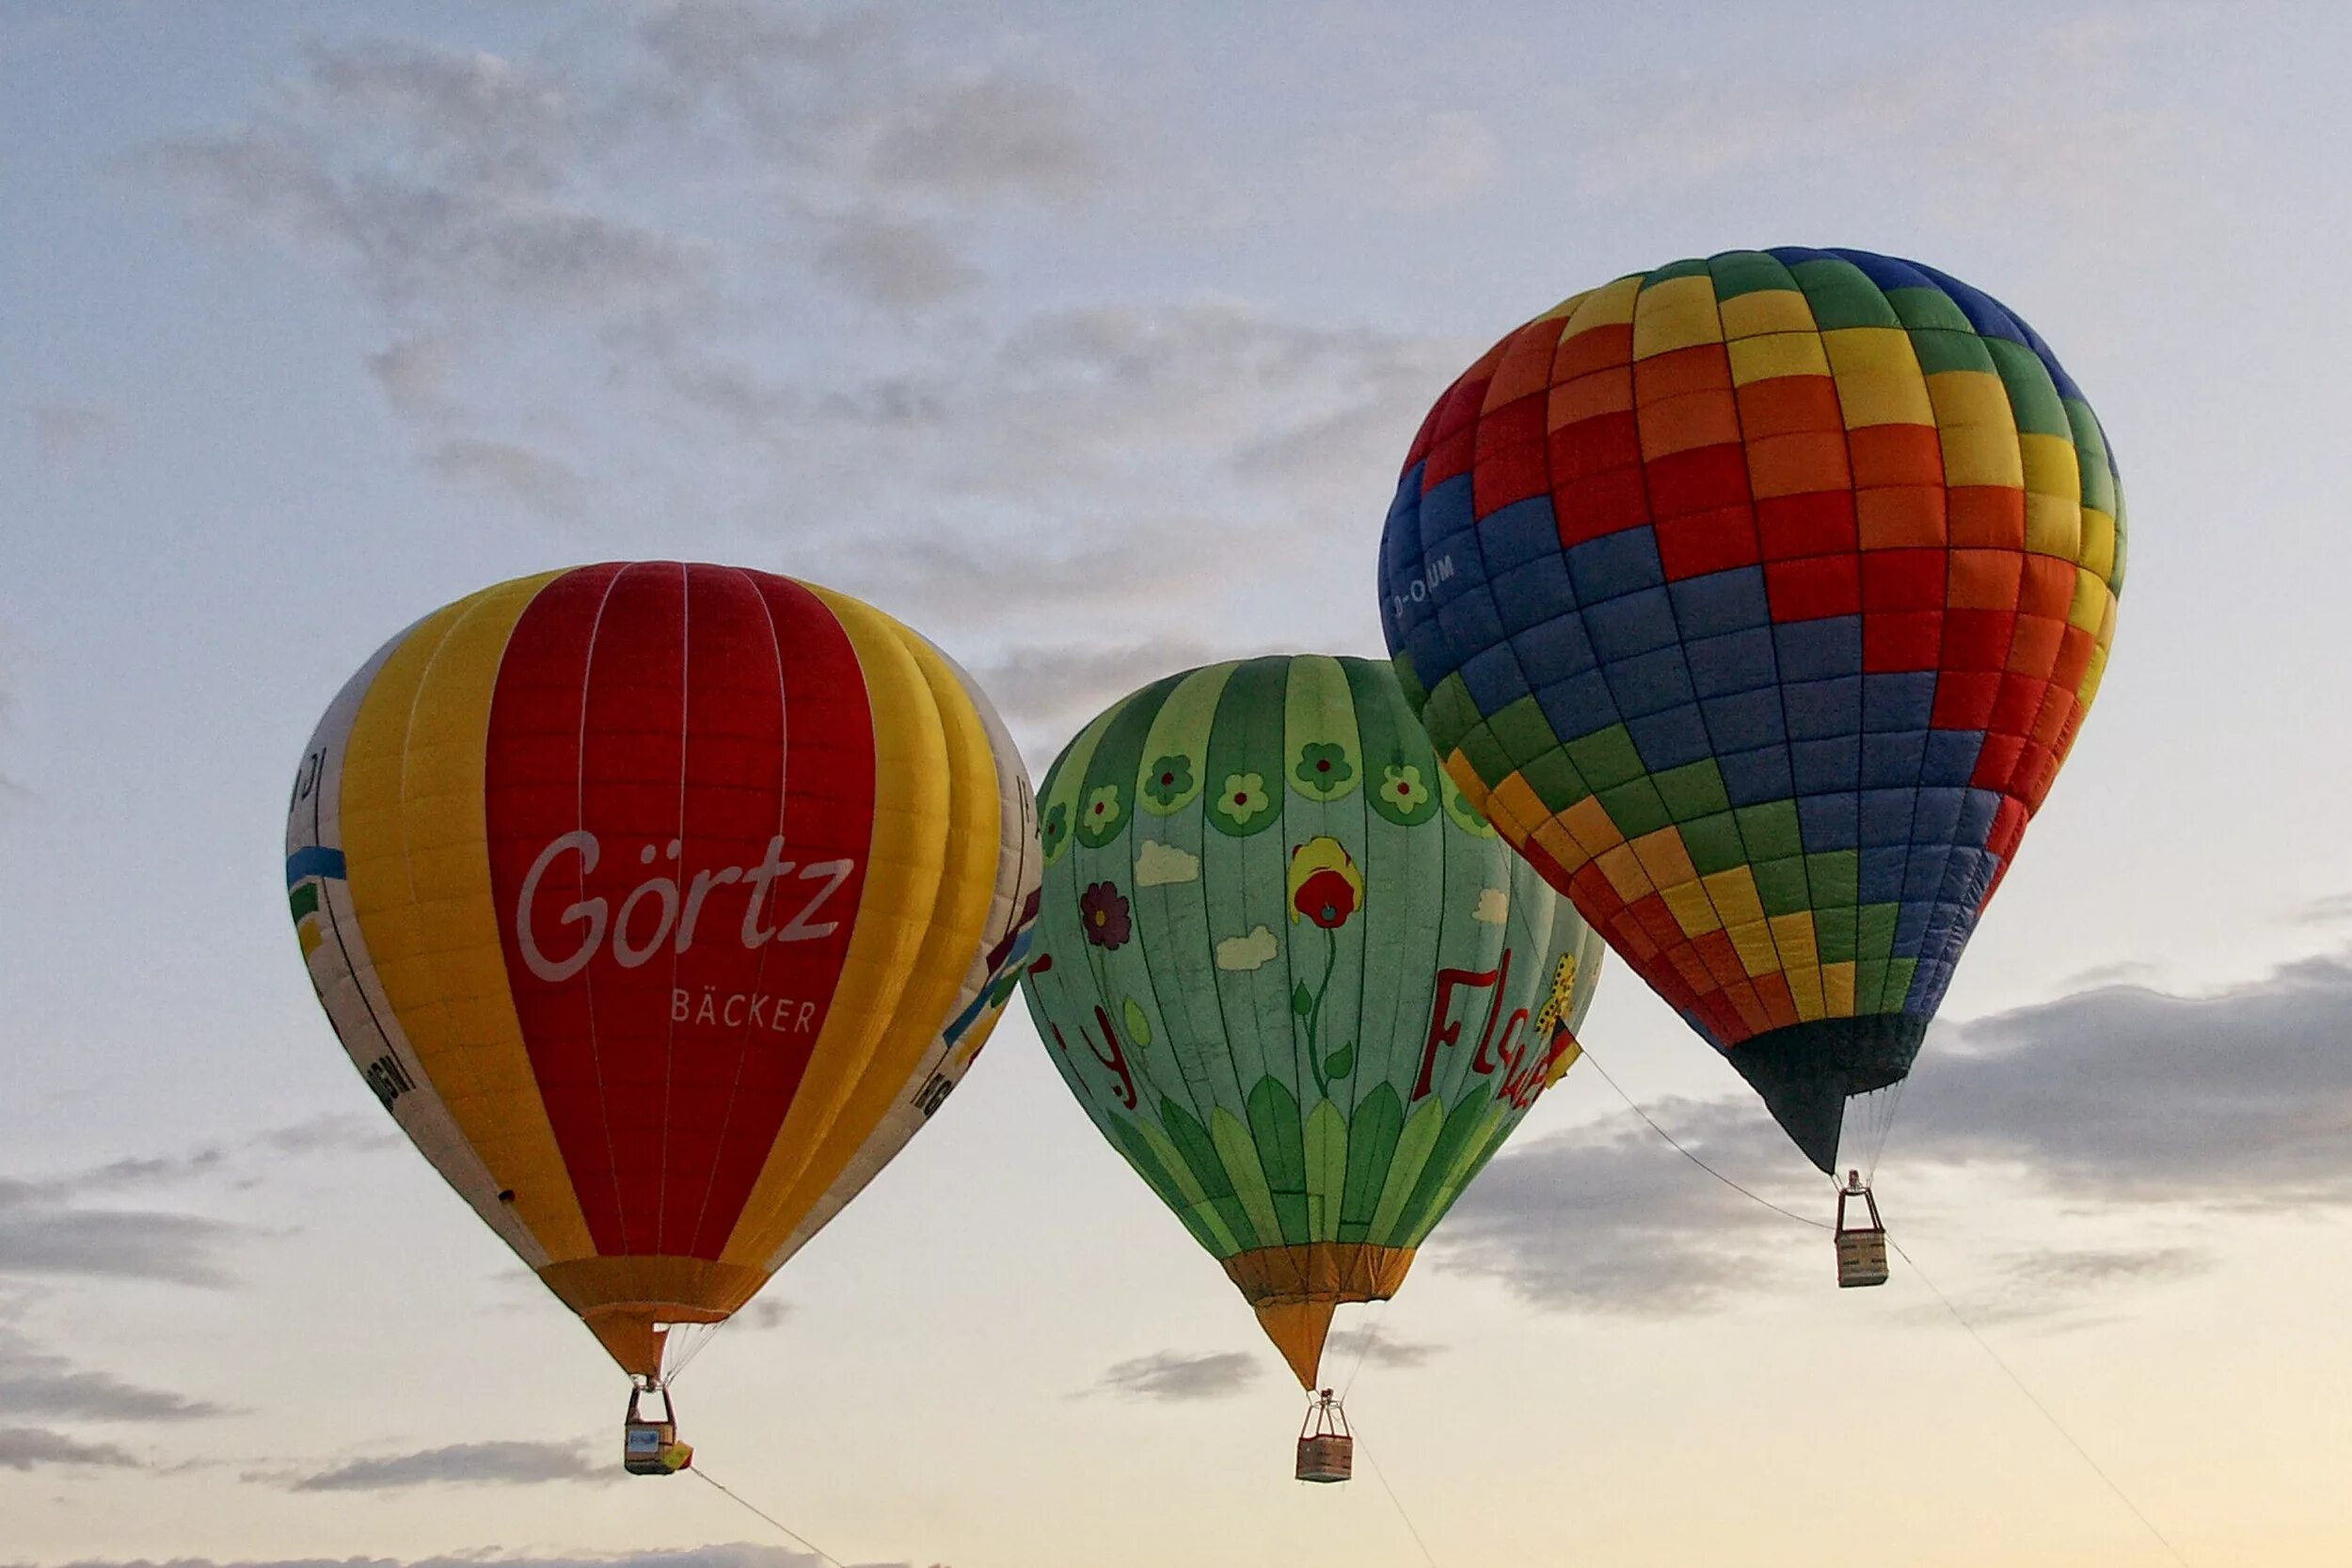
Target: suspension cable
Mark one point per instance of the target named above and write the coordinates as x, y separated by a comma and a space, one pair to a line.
788, 1532
2031, 1398
2048, 1414
1398, 1503
1676, 1145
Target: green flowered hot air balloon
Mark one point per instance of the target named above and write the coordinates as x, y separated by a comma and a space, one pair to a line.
1296, 979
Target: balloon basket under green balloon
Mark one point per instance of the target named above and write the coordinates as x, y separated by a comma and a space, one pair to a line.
1327, 1452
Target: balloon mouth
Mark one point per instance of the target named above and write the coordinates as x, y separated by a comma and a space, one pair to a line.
622, 1300
1295, 1290
1805, 1072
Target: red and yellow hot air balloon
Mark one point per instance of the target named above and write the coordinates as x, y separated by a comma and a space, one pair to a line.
660, 905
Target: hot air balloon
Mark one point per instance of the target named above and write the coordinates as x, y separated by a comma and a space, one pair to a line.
1757, 600
1295, 980
660, 905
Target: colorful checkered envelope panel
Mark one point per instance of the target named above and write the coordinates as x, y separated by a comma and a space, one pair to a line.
1757, 600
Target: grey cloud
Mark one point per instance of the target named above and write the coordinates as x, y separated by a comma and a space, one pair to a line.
2125, 1094
759, 58
1347, 1346
41, 1234
471, 117
1172, 1375
331, 1133
64, 430
30, 1448
1605, 1219
545, 486
2333, 909
903, 263
415, 374
493, 1464
2121, 1098
762, 1315
33, 1379
1054, 689
995, 136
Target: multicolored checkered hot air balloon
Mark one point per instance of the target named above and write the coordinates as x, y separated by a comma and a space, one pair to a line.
1757, 600
660, 905
1293, 975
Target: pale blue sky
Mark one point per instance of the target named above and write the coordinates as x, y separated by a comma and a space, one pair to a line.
1089, 339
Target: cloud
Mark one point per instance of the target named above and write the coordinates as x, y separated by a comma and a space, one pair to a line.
2333, 909
995, 136
1060, 689
1159, 865
335, 1133
1171, 1375
494, 1464
2121, 1097
1494, 906
40, 1234
903, 263
1602, 1219
1252, 952
543, 485
32, 1379
1346, 1345
29, 1448
761, 1316
2125, 1094
1112, 465
415, 374
62, 430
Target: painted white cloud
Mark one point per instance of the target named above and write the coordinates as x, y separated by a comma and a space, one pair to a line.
1494, 906
1165, 865
1254, 951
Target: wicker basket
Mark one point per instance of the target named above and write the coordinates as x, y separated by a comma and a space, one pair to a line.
1327, 1456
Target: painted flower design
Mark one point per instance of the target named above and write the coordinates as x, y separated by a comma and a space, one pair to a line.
1243, 798
1103, 913
1322, 769
1168, 781
1561, 1002
1054, 828
1404, 787
1101, 809
1457, 805
1325, 885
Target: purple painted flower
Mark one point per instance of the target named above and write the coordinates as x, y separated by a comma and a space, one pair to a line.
1103, 914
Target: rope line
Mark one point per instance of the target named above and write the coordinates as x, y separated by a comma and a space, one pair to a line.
2056, 1425
1677, 1146
788, 1532
1366, 1333
1398, 1503
1983, 1343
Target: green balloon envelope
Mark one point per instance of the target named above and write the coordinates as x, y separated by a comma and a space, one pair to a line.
1294, 976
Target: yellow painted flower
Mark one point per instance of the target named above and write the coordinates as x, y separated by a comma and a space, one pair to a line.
1562, 1002
1325, 885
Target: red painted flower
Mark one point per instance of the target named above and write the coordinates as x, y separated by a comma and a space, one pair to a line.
1103, 915
1326, 887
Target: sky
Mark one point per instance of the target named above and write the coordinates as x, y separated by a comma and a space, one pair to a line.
1088, 341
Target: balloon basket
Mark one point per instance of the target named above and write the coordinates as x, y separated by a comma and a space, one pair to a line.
1327, 1452
649, 1445
1860, 1248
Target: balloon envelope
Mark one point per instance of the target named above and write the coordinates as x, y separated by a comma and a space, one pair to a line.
1758, 600
660, 905
1294, 979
